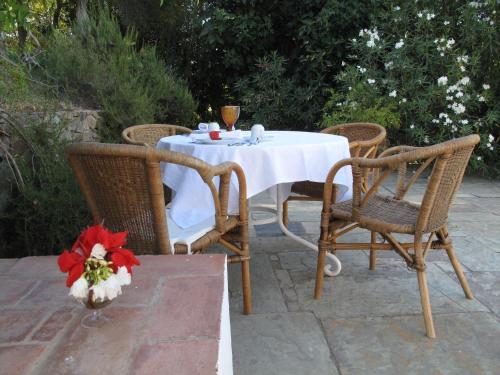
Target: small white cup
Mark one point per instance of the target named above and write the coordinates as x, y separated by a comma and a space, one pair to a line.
213, 126
208, 127
257, 133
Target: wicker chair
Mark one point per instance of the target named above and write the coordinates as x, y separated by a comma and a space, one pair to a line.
150, 134
123, 188
386, 215
364, 140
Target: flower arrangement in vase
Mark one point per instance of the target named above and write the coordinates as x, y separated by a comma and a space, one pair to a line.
97, 266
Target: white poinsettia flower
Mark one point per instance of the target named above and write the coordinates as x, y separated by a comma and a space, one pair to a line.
107, 289
99, 292
80, 289
123, 276
98, 251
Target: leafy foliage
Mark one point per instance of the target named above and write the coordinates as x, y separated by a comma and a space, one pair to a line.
432, 64
270, 98
98, 64
47, 210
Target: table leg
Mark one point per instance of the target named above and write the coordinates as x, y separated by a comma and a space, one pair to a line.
278, 211
310, 245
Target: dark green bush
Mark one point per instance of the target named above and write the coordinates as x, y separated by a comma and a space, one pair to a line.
46, 209
99, 66
270, 98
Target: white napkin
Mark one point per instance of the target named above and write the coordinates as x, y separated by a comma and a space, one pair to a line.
235, 134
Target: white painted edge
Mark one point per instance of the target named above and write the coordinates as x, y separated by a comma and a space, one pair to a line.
225, 359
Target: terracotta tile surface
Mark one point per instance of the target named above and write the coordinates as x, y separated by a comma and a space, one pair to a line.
171, 310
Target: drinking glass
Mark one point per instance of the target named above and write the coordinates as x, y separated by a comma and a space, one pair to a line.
230, 114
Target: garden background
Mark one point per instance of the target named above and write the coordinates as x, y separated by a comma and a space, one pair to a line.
426, 70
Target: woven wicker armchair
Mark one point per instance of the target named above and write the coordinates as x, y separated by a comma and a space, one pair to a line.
150, 134
364, 140
386, 215
123, 188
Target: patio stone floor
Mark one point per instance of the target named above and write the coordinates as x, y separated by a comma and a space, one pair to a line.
370, 322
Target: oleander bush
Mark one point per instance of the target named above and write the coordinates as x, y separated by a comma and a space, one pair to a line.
99, 66
428, 71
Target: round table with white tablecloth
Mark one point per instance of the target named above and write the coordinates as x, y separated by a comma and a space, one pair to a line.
283, 157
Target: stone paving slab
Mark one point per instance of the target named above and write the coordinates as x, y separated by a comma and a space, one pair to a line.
266, 294
486, 288
465, 344
277, 344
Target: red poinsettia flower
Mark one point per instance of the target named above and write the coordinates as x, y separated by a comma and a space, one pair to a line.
73, 261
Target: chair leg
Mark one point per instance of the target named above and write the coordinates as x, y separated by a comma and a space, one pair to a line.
460, 275
443, 237
320, 272
373, 254
285, 213
247, 290
426, 304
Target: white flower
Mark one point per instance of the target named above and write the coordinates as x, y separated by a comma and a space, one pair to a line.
399, 44
388, 65
435, 121
430, 16
452, 88
450, 43
80, 289
446, 23
486, 86
462, 68
441, 54
354, 40
343, 63
370, 43
426, 139
479, 158
123, 276
481, 98
370, 81
98, 251
458, 108
449, 98
402, 101
397, 7
465, 122
465, 80
459, 94
491, 138
448, 121
362, 32
464, 59
442, 81
107, 289
453, 128
361, 69
443, 115
349, 88
393, 93
420, 14
412, 126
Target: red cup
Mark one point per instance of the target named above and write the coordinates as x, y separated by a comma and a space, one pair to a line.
214, 135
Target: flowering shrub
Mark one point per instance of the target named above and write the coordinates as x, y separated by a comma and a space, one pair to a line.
428, 71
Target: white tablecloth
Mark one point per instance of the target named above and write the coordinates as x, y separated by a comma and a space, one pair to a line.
283, 158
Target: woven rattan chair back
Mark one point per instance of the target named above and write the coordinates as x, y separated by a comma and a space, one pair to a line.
124, 192
150, 134
445, 179
364, 138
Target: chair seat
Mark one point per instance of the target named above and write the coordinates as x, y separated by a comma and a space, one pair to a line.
309, 189
381, 214
198, 237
